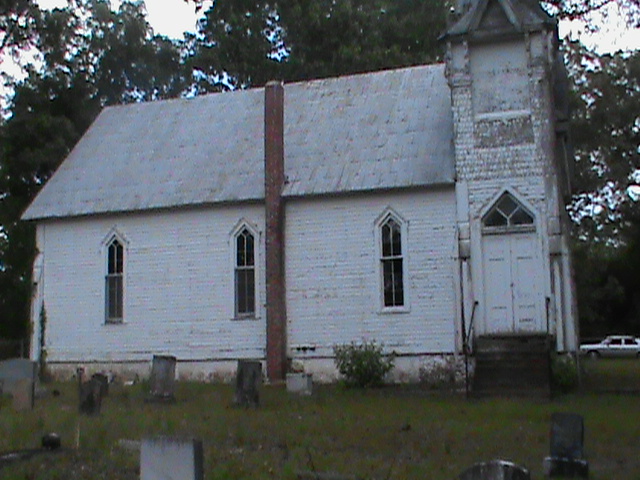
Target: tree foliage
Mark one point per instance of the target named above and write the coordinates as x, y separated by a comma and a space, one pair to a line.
246, 43
18, 20
606, 203
90, 57
606, 133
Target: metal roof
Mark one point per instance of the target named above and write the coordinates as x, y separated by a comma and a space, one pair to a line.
382, 130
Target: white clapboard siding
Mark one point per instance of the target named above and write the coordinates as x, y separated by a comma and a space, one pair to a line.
179, 297
332, 270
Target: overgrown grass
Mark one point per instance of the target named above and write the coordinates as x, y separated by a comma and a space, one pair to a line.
611, 375
388, 433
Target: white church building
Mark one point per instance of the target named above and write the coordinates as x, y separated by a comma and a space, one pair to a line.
421, 208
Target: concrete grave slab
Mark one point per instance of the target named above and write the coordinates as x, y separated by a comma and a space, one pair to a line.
300, 383
567, 448
556, 467
167, 458
17, 368
22, 393
495, 470
18, 378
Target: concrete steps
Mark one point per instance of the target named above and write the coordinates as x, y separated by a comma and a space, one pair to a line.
512, 366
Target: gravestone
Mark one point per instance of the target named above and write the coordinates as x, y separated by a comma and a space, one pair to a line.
103, 380
18, 378
567, 435
300, 383
495, 470
90, 396
22, 394
248, 379
163, 378
165, 458
567, 447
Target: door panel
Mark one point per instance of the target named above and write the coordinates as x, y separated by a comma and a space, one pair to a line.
526, 282
512, 284
499, 311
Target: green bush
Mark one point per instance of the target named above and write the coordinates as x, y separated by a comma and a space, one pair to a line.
362, 365
564, 373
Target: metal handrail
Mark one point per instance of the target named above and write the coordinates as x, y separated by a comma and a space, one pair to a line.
466, 347
468, 334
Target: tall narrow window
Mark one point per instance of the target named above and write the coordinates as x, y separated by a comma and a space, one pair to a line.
114, 281
245, 278
392, 263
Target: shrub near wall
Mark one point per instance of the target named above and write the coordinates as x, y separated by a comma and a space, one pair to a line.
363, 365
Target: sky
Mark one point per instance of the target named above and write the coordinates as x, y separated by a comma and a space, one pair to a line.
167, 17
173, 17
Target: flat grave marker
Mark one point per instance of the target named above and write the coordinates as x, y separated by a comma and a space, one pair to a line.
167, 458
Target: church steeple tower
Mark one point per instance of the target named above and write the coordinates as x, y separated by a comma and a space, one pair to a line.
501, 67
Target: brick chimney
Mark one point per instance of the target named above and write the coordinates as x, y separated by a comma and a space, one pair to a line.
274, 217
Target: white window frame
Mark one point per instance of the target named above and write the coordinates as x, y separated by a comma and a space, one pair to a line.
522, 203
253, 230
390, 214
115, 236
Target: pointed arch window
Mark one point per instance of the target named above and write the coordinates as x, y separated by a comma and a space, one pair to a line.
114, 284
245, 274
392, 263
508, 214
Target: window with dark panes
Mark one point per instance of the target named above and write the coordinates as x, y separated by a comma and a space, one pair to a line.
392, 263
508, 212
114, 282
245, 284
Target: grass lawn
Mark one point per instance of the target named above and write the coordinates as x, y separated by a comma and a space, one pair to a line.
390, 433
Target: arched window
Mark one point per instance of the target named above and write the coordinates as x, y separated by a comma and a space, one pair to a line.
508, 213
392, 262
114, 285
245, 274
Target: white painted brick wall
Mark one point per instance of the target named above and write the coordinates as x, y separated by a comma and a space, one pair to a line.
333, 291
529, 168
178, 287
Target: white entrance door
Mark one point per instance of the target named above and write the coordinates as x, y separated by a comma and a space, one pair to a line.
512, 284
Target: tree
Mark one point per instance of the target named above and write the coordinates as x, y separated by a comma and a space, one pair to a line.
330, 38
246, 43
91, 57
605, 206
17, 25
606, 134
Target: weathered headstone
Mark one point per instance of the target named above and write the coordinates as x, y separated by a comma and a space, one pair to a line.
103, 380
248, 380
163, 378
18, 379
567, 447
22, 394
300, 383
567, 435
495, 470
164, 458
90, 396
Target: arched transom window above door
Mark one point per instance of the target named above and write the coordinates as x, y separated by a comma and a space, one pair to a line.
508, 214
